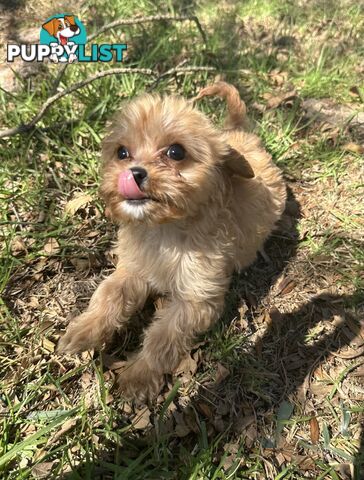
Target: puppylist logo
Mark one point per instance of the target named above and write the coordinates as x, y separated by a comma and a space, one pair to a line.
63, 39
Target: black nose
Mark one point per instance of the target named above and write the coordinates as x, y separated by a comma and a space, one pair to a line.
74, 28
139, 174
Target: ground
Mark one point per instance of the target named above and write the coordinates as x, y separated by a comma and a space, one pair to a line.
276, 389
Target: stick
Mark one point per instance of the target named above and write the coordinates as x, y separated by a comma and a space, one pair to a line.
114, 71
153, 18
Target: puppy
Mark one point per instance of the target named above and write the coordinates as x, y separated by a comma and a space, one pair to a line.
193, 203
63, 29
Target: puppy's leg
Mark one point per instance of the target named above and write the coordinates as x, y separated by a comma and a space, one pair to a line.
166, 342
114, 301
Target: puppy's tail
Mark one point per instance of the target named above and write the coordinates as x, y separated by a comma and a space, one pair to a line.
236, 117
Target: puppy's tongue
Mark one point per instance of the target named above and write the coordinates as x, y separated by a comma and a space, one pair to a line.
128, 187
63, 40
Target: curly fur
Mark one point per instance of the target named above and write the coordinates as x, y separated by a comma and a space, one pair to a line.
209, 214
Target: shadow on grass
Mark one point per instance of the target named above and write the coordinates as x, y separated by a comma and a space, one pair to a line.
273, 370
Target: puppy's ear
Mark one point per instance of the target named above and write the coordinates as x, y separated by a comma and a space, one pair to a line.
71, 19
237, 164
51, 27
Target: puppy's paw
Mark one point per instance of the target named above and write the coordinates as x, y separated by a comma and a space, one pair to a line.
82, 334
72, 58
138, 382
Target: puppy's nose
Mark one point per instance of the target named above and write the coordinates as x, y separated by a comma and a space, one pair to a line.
139, 174
74, 28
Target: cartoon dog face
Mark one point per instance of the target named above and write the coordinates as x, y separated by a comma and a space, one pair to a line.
62, 28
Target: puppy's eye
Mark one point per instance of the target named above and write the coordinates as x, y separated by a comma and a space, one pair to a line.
176, 152
123, 153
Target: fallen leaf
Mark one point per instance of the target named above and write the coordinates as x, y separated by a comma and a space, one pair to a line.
142, 418
67, 425
51, 246
280, 459
43, 470
221, 374
314, 430
353, 148
187, 366
17, 246
286, 285
251, 435
79, 200
278, 77
274, 101
205, 409
354, 91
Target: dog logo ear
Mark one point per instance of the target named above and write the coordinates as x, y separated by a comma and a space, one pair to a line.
51, 27
71, 19
237, 164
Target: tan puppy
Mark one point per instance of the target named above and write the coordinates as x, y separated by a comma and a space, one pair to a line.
193, 204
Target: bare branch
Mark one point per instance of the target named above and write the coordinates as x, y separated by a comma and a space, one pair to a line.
114, 71
152, 18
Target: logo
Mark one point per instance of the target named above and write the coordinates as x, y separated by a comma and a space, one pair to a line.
63, 39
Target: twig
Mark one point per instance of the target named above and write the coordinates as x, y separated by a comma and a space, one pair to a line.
179, 69
153, 18
114, 71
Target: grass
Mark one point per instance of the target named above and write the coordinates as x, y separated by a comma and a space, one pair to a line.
286, 354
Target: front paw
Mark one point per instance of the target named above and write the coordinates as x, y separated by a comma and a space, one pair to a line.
82, 334
138, 382
72, 58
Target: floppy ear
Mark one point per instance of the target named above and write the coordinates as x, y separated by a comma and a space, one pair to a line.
51, 27
237, 164
71, 19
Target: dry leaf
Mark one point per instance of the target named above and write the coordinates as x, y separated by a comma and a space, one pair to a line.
67, 425
17, 246
42, 470
221, 374
280, 459
251, 435
278, 77
314, 430
353, 148
187, 366
274, 101
320, 389
205, 409
79, 200
142, 418
286, 285
354, 91
51, 247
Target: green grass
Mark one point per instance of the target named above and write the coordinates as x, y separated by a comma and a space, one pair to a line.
60, 415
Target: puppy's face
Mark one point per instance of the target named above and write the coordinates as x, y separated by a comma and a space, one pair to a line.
161, 161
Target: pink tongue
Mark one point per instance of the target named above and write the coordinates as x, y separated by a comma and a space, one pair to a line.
128, 187
63, 40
